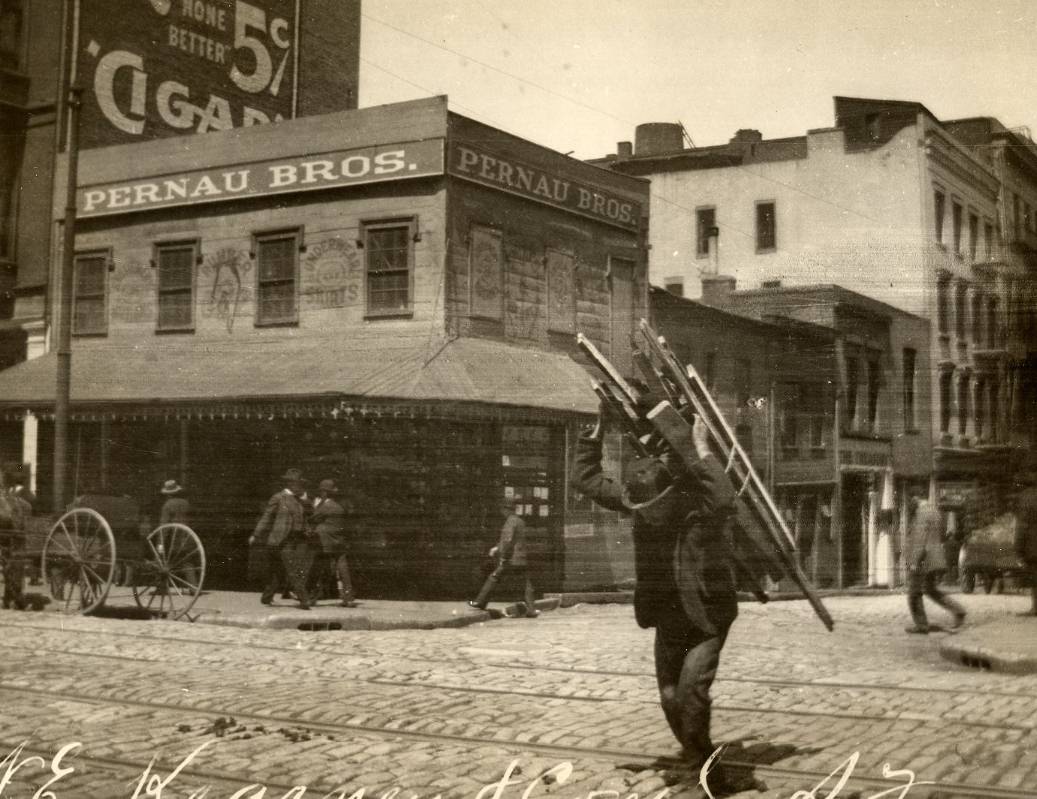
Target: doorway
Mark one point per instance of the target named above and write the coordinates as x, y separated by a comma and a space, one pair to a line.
854, 529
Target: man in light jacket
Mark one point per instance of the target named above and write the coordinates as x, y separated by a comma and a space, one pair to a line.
926, 563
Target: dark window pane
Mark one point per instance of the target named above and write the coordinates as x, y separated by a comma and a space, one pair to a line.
277, 302
387, 249
706, 221
89, 316
766, 238
277, 259
174, 310
175, 268
90, 275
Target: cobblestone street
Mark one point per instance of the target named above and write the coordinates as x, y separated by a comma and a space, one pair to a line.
452, 711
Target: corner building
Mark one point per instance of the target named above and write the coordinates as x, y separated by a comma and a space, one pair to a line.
388, 297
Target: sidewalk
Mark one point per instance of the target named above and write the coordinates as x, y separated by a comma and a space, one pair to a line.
1008, 644
243, 609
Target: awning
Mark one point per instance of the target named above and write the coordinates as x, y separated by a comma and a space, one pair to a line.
206, 378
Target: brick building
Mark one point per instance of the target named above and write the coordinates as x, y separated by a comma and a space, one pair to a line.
388, 297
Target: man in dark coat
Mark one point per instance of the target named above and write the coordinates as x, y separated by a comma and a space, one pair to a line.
329, 526
1026, 531
512, 559
685, 587
282, 531
926, 563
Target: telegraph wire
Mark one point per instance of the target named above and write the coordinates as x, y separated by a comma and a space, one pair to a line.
500, 71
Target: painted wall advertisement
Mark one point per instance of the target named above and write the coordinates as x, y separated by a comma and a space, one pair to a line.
156, 68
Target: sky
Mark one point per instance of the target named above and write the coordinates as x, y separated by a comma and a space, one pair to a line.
579, 75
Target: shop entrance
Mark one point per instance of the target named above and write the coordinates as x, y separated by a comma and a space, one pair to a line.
854, 529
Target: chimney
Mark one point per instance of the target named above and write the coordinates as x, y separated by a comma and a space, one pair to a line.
746, 140
624, 149
658, 138
716, 289
747, 136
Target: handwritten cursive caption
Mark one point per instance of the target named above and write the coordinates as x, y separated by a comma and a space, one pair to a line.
152, 784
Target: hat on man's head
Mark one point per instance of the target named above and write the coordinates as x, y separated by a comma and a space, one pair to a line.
171, 487
329, 486
292, 474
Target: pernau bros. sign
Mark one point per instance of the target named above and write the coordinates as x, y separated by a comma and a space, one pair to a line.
280, 176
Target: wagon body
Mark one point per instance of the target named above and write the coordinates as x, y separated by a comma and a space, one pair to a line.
101, 540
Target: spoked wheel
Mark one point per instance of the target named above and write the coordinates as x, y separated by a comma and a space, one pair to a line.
79, 560
172, 571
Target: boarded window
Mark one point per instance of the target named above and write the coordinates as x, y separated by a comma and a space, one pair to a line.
486, 273
175, 285
90, 311
561, 294
389, 257
276, 254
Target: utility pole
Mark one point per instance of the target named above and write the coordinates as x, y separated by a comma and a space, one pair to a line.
65, 290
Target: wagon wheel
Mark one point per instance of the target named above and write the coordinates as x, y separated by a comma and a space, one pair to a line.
79, 560
172, 571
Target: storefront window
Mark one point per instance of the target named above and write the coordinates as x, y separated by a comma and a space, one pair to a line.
526, 461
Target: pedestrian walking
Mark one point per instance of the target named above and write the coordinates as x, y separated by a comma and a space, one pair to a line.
175, 507
328, 521
926, 564
685, 585
281, 530
512, 559
1026, 532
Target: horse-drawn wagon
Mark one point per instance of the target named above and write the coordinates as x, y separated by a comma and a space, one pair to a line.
101, 542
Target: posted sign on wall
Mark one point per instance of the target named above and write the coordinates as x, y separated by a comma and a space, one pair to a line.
154, 68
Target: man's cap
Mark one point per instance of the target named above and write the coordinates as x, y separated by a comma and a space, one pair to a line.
292, 474
329, 486
171, 487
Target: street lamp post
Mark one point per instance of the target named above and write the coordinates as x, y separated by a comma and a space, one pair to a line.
65, 290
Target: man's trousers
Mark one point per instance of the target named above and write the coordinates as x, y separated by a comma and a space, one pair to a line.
686, 661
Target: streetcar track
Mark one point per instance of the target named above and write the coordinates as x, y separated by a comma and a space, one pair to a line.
717, 706
521, 667
618, 758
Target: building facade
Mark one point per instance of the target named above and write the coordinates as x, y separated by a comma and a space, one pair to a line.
895, 205
388, 297
881, 448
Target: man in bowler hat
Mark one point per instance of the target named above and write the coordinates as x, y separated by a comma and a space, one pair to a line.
282, 531
329, 525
